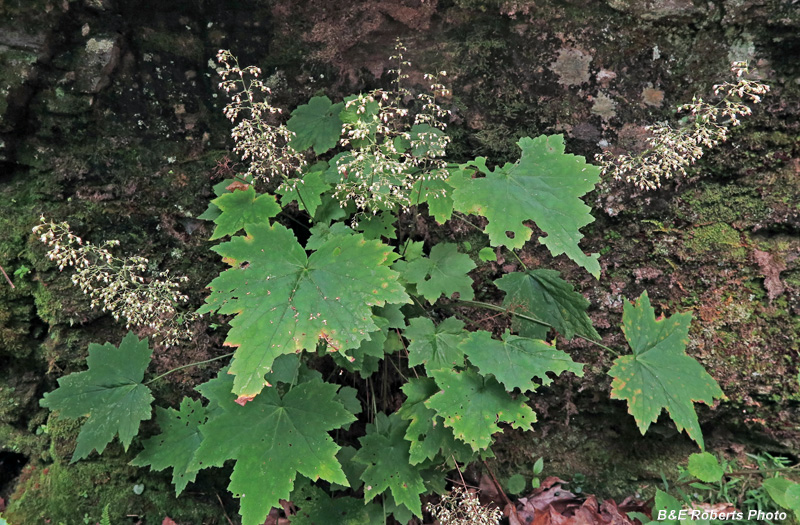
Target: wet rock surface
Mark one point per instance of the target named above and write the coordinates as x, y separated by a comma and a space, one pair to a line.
110, 118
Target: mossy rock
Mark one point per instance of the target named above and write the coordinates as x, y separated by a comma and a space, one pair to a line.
61, 493
719, 240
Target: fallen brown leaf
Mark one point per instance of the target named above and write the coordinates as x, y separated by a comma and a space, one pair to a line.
770, 267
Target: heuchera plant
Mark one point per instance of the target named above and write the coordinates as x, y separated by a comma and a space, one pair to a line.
317, 310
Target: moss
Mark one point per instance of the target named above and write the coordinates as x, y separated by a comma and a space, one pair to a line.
724, 203
20, 441
16, 67
718, 239
64, 493
61, 493
61, 102
183, 45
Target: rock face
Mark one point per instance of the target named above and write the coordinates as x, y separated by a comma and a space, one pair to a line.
658, 9
110, 118
19, 53
96, 63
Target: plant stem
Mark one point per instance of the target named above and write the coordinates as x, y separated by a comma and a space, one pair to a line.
168, 372
496, 308
463, 217
517, 257
501, 491
7, 278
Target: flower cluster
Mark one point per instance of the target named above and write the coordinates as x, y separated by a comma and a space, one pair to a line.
461, 507
117, 285
386, 152
257, 138
671, 150
388, 155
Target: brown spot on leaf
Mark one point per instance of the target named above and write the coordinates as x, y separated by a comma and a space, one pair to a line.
243, 400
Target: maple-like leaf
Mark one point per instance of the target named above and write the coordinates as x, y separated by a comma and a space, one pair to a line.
307, 191
472, 405
385, 452
515, 360
444, 272
219, 189
110, 393
544, 295
379, 225
544, 186
242, 207
435, 346
316, 125
426, 431
317, 508
438, 194
322, 233
285, 301
285, 435
175, 446
366, 357
659, 374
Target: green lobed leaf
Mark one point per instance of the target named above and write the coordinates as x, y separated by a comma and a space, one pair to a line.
350, 112
515, 360
272, 439
544, 295
426, 431
438, 194
659, 374
212, 211
444, 272
544, 186
437, 346
322, 233
242, 207
705, 467
386, 454
472, 405
285, 301
287, 369
110, 393
316, 125
330, 210
351, 469
175, 446
366, 357
306, 192
317, 507
379, 225
393, 314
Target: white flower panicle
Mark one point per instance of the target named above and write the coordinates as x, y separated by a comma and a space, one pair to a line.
461, 507
257, 140
672, 150
378, 174
119, 286
384, 159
